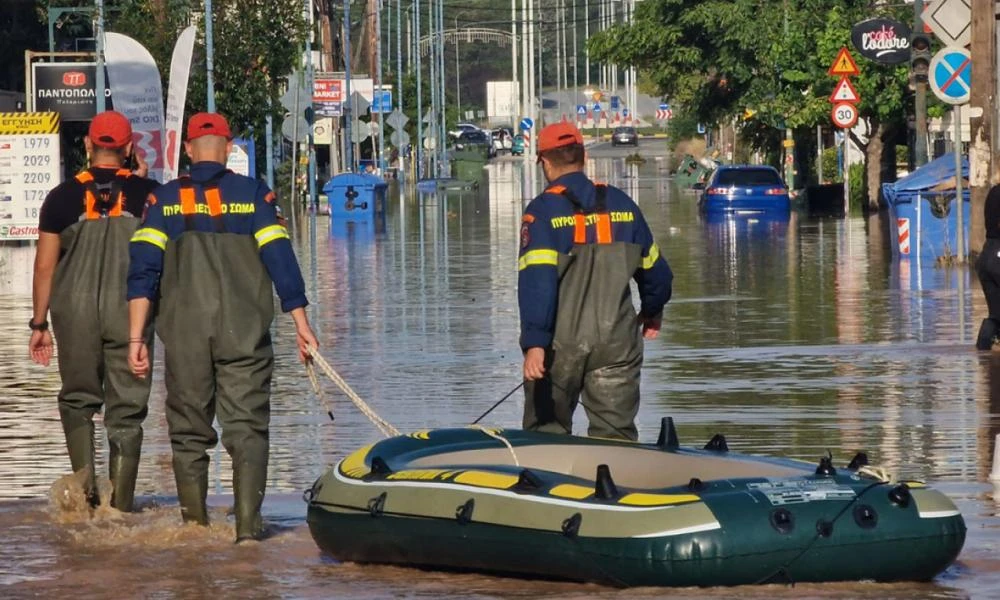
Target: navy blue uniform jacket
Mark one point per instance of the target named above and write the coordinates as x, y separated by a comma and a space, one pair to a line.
547, 230
248, 207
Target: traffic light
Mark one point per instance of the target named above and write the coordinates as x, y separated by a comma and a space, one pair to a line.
920, 56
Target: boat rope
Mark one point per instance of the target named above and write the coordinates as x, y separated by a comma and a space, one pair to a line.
783, 570
496, 435
880, 473
383, 426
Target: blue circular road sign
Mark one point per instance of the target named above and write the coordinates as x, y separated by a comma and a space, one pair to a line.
527, 123
951, 75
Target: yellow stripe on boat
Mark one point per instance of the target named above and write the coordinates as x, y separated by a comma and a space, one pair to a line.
420, 435
486, 479
915, 485
571, 490
418, 474
354, 464
639, 499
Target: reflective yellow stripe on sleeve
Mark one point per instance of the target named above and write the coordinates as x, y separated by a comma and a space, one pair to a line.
538, 257
269, 234
654, 253
151, 236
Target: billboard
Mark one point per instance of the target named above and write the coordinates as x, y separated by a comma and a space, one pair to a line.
29, 169
68, 89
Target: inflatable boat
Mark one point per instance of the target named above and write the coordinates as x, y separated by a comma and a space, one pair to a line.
626, 514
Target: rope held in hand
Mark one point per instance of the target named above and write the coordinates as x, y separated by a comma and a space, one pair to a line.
315, 358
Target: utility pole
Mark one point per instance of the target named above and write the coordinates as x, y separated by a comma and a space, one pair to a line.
513, 62
348, 147
576, 56
789, 137
982, 112
586, 36
99, 84
378, 75
920, 97
418, 154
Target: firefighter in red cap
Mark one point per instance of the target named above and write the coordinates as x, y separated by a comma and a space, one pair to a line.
210, 247
581, 245
80, 267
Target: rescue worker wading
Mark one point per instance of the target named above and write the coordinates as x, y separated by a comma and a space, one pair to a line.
581, 244
211, 245
988, 268
80, 268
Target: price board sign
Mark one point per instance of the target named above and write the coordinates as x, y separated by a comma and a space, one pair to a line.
29, 168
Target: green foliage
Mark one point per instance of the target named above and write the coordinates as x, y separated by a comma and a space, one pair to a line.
717, 58
831, 172
859, 187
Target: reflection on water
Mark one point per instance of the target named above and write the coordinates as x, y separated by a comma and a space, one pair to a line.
790, 336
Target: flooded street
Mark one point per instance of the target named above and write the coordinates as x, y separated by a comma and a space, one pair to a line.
790, 337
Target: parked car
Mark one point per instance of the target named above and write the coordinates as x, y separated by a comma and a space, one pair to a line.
475, 140
462, 128
625, 136
502, 139
517, 145
745, 189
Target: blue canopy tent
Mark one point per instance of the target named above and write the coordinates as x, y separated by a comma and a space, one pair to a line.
923, 221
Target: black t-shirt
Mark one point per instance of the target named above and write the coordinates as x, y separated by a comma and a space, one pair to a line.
992, 210
64, 204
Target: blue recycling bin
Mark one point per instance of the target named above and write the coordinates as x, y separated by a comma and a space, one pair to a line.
357, 197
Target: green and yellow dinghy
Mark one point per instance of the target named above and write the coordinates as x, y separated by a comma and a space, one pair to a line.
626, 514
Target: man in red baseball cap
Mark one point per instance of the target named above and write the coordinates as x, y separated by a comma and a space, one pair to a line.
558, 135
203, 124
210, 248
581, 245
81, 263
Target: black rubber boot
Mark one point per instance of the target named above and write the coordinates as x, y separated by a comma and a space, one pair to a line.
123, 469
80, 446
249, 483
987, 334
191, 494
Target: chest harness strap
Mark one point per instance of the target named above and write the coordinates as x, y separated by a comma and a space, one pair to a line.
599, 215
211, 199
102, 200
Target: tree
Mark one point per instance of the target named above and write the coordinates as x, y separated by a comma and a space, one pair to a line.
717, 58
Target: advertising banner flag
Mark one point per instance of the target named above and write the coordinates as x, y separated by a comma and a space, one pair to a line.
135, 84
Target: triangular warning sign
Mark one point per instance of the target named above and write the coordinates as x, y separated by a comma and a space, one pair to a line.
844, 64
844, 92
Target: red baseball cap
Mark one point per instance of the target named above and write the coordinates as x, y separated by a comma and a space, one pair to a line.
110, 129
208, 124
557, 135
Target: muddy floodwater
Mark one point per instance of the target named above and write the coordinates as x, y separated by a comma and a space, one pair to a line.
791, 337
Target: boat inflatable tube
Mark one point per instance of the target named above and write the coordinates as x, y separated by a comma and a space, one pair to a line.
626, 514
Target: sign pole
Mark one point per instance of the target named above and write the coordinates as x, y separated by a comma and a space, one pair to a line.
956, 114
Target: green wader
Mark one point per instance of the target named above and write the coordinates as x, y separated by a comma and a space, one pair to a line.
597, 346
90, 322
216, 308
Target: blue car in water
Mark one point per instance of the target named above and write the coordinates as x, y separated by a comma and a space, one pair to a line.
745, 190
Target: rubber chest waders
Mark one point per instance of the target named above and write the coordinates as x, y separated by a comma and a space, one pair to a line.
216, 308
90, 321
597, 347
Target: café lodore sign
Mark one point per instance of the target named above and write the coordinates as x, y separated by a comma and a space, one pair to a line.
882, 40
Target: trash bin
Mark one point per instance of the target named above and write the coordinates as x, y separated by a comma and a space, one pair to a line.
356, 197
923, 216
690, 172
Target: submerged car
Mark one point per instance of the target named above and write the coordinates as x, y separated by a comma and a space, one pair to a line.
745, 189
625, 136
